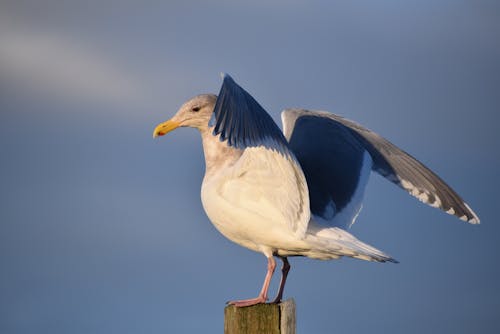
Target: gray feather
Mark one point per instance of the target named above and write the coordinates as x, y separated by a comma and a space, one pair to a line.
394, 164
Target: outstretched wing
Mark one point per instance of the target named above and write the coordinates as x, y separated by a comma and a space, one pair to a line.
388, 160
267, 159
335, 163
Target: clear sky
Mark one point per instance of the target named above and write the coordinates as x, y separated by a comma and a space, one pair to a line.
102, 229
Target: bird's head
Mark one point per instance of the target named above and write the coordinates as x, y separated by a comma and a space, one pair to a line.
194, 113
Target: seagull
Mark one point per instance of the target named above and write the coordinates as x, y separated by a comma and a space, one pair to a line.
296, 192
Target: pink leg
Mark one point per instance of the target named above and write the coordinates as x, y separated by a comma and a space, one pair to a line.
262, 298
284, 273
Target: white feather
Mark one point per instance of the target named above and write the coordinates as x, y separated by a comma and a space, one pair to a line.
260, 201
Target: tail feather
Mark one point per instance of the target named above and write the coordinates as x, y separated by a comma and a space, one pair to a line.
334, 242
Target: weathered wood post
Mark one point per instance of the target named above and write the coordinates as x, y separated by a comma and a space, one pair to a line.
261, 318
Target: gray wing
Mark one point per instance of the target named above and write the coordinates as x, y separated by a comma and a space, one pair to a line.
336, 167
388, 160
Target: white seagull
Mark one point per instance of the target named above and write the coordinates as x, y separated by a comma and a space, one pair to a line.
295, 193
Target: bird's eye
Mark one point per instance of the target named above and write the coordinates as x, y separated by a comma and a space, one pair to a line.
195, 109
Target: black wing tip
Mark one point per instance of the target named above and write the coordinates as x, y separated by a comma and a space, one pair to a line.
462, 211
443, 197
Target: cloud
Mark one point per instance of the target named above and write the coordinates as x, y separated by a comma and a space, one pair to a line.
56, 65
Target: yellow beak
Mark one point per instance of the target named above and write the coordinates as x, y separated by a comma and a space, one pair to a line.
165, 127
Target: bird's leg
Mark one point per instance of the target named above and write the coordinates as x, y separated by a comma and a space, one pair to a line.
284, 273
262, 298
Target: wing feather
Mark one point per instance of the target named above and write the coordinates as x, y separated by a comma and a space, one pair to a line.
267, 179
336, 167
394, 164
240, 119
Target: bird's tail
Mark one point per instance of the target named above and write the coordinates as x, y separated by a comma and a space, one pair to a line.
333, 242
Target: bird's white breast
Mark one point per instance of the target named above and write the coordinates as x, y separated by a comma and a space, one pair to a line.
261, 201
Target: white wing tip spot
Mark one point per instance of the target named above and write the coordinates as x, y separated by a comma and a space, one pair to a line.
475, 219
421, 195
437, 202
465, 218
424, 197
407, 184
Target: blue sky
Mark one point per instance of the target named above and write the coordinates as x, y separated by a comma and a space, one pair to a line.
102, 229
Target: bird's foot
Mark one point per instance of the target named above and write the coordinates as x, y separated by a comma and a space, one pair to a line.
248, 302
276, 300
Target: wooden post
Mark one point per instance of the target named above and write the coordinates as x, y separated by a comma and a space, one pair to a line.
261, 318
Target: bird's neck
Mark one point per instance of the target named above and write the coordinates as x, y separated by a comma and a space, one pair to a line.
218, 154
